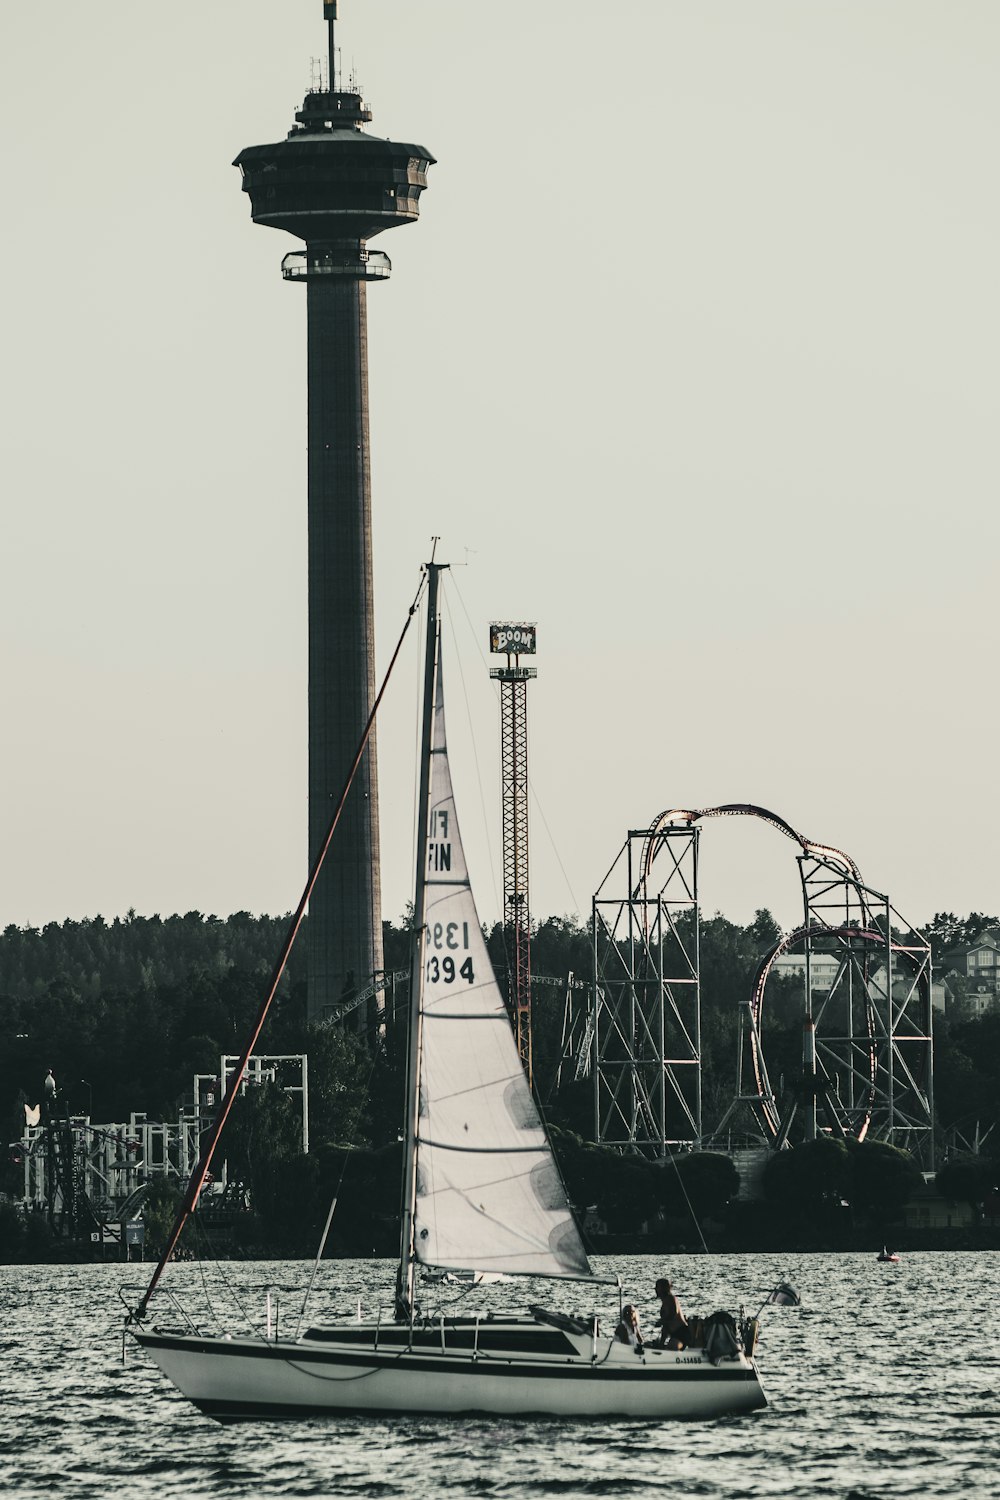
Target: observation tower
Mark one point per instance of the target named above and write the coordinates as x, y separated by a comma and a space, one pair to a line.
335, 186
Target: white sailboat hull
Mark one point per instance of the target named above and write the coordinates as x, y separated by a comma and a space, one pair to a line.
355, 1369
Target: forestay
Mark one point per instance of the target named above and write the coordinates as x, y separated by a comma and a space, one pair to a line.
489, 1195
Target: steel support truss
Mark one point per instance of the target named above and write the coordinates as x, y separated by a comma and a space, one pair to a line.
80, 1171
94, 1167
646, 1039
867, 1032
577, 1029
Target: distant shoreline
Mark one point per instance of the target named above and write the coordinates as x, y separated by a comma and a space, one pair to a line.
974, 1238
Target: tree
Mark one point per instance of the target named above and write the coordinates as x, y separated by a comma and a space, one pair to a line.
812, 1173
159, 1210
12, 1234
623, 1189
262, 1136
705, 1179
883, 1178
340, 1070
946, 932
966, 1179
764, 931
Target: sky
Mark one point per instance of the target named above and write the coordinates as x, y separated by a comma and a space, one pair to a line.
691, 359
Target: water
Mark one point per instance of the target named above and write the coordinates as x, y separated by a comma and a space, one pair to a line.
883, 1384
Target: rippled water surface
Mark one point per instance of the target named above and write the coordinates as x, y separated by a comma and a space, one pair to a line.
884, 1383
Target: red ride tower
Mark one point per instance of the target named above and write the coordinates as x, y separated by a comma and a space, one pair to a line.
514, 641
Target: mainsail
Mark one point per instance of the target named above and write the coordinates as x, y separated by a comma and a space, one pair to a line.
488, 1193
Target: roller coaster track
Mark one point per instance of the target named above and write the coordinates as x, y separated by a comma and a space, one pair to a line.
881, 1045
850, 936
827, 855
824, 852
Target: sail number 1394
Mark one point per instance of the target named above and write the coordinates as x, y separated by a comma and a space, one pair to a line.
443, 965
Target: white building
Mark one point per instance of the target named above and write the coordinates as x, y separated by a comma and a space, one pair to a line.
823, 968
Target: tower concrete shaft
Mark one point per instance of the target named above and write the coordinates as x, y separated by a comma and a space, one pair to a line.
334, 186
344, 931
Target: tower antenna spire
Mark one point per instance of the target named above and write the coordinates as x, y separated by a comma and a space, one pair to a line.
330, 13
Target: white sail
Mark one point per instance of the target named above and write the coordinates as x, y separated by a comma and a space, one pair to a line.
489, 1194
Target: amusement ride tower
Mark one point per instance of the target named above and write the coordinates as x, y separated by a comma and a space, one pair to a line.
335, 186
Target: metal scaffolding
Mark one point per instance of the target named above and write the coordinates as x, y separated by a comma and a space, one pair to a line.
868, 1059
867, 1069
646, 1041
867, 1031
577, 1029
78, 1173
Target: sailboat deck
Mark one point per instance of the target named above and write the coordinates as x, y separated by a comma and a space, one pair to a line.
461, 1343
487, 1335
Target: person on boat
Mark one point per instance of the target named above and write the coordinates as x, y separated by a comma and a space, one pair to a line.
672, 1322
628, 1331
403, 1309
694, 1335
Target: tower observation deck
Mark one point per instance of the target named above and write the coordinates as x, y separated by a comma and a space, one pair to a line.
335, 186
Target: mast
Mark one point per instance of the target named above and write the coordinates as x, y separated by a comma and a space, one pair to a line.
330, 15
404, 1279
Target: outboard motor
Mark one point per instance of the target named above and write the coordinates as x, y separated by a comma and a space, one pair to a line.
721, 1341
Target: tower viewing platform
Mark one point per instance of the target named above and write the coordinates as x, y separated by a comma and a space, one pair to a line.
329, 180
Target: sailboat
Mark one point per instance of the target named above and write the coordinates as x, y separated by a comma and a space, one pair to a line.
482, 1194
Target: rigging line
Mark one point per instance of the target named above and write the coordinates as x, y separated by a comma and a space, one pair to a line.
302, 1369
415, 856
235, 1297
206, 1240
203, 1238
555, 848
333, 1205
472, 735
687, 1200
200, 1172
319, 1256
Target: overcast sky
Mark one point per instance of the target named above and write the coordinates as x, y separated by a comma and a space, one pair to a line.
692, 358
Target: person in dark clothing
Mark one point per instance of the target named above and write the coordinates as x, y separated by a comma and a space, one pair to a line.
672, 1323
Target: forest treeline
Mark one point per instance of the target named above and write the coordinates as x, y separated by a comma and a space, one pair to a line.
125, 1013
